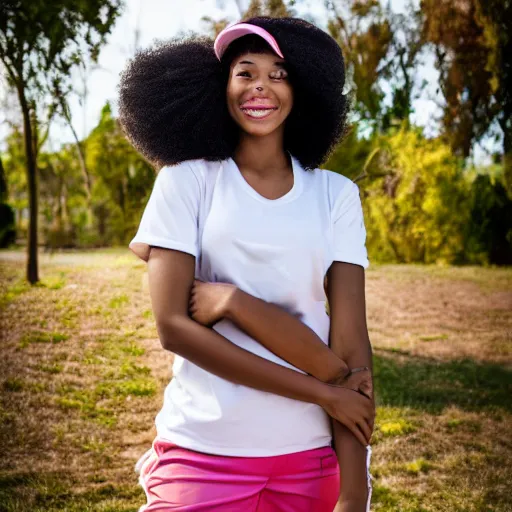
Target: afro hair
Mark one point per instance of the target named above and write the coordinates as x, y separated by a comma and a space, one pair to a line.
172, 96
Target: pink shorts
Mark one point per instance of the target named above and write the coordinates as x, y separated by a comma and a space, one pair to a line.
179, 479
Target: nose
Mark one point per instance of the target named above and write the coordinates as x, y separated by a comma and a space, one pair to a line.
259, 84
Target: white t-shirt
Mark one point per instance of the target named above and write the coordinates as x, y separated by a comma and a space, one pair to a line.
277, 250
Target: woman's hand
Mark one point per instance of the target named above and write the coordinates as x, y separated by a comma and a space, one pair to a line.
352, 409
360, 381
209, 301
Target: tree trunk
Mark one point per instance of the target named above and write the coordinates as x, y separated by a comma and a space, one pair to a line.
83, 165
32, 265
58, 223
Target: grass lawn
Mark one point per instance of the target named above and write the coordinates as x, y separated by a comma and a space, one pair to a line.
82, 374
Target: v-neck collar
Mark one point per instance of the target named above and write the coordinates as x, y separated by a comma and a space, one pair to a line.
289, 196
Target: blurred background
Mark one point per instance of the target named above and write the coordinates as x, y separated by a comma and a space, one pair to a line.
430, 146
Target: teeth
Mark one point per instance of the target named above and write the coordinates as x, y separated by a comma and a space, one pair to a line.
258, 113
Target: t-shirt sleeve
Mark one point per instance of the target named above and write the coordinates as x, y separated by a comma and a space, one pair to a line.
170, 218
348, 226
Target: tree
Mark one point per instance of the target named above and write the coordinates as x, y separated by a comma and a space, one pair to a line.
276, 8
472, 44
363, 31
40, 42
496, 17
401, 67
122, 182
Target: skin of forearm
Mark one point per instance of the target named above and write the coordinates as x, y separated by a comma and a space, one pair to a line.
215, 354
286, 336
356, 354
351, 454
353, 472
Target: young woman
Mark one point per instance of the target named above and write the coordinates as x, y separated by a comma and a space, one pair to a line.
271, 404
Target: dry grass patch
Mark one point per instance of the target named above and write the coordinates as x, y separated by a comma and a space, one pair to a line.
79, 388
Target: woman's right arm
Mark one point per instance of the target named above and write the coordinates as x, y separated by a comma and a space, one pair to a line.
171, 277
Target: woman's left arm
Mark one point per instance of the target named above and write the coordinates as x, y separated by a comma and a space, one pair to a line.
275, 328
349, 340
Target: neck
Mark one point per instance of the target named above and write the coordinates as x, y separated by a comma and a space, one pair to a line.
263, 155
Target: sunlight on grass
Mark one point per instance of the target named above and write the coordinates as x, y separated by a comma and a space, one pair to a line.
418, 466
42, 337
53, 282
51, 368
118, 301
12, 291
133, 350
396, 428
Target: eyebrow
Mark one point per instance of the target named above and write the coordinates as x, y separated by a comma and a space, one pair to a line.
277, 63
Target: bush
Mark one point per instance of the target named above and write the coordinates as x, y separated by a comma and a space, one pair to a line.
488, 233
417, 201
7, 226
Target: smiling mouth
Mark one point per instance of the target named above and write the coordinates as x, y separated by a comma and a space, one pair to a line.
258, 113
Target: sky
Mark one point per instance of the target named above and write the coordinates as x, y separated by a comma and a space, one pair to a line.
161, 19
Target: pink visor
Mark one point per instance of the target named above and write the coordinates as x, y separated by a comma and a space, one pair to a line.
232, 32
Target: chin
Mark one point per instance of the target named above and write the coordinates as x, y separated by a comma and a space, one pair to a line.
258, 130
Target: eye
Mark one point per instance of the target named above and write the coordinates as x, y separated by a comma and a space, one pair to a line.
279, 75
243, 73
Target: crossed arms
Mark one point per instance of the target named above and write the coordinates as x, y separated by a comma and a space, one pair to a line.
171, 280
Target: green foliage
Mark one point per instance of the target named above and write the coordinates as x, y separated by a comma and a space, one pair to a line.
122, 181
475, 80
495, 17
417, 205
350, 157
7, 228
16, 197
119, 301
41, 41
7, 225
363, 31
276, 8
488, 234
62, 197
414, 195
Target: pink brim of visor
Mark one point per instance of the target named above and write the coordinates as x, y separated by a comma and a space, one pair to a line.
232, 32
